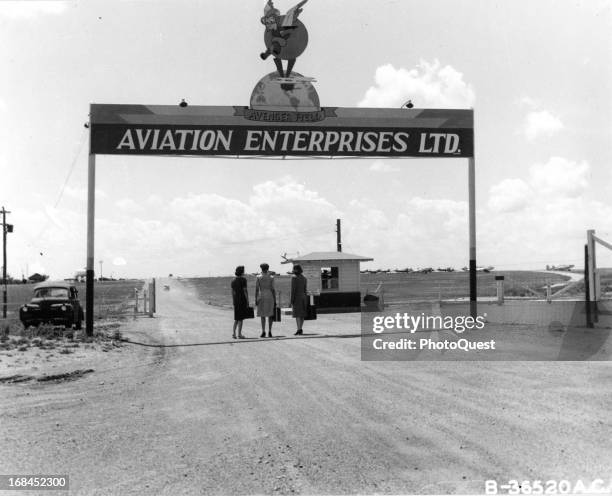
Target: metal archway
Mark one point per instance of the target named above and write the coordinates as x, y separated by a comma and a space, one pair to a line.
238, 131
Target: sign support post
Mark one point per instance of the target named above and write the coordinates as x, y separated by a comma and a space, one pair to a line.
89, 274
5, 229
472, 228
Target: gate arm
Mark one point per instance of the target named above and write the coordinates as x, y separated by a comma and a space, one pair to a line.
602, 242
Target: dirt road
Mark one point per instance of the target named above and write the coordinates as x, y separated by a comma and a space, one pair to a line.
209, 415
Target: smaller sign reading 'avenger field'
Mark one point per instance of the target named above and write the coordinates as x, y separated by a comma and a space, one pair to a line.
199, 130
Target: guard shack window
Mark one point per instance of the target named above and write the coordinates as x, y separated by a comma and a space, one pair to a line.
329, 278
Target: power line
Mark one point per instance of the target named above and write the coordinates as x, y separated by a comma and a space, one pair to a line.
61, 193
74, 161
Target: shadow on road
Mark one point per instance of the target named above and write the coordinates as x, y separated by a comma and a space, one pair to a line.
250, 340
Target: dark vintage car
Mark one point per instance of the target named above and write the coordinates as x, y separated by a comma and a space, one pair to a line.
54, 303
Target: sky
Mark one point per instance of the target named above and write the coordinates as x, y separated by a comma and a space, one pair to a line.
538, 75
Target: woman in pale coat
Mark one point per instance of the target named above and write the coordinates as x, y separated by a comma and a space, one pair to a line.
265, 298
299, 298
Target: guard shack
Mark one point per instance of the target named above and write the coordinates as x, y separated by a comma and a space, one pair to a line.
334, 278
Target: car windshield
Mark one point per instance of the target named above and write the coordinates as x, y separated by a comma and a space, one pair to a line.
51, 293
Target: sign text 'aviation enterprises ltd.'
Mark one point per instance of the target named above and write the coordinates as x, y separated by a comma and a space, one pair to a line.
332, 131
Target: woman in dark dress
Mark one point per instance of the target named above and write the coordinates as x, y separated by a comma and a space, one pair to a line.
240, 297
299, 298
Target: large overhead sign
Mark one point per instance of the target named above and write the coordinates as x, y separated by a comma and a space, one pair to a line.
284, 118
236, 131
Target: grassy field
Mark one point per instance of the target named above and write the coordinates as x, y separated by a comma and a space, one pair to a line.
111, 298
397, 287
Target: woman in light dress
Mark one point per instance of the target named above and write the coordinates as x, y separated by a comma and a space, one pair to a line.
265, 298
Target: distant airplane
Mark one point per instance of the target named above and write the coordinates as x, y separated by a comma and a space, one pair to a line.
446, 269
406, 270
565, 268
480, 269
425, 270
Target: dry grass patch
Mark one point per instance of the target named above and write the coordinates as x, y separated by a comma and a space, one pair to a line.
13, 336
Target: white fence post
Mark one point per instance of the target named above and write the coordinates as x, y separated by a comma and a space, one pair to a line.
135, 302
499, 280
153, 287
592, 265
594, 273
151, 298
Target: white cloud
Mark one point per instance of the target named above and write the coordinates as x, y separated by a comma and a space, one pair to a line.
541, 123
275, 192
556, 178
380, 166
80, 193
199, 233
419, 232
54, 215
155, 201
529, 102
544, 217
36, 268
510, 195
560, 176
16, 9
429, 85
550, 229
435, 217
129, 205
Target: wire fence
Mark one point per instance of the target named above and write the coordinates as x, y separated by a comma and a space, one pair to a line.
412, 287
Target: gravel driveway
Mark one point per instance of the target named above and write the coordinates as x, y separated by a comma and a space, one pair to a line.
209, 415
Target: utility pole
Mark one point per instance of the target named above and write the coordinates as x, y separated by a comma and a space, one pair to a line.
338, 235
100, 277
6, 228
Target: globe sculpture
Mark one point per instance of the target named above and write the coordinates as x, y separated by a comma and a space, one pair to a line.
269, 94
